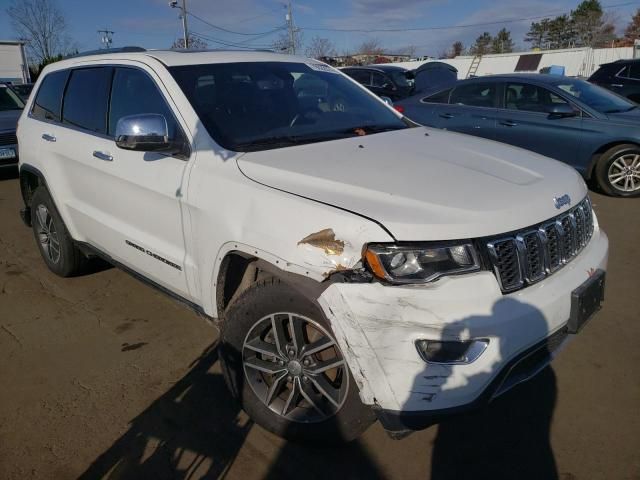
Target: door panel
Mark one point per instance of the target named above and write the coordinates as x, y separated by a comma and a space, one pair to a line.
127, 203
471, 109
525, 123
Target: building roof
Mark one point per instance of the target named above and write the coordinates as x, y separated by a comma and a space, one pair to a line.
12, 42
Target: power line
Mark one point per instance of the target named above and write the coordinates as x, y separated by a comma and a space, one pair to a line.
227, 44
230, 31
451, 27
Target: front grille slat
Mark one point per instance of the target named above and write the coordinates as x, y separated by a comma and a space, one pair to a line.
8, 138
528, 256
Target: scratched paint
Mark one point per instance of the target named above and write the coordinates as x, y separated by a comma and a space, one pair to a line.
326, 240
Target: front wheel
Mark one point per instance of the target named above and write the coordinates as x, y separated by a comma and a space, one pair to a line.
618, 171
281, 360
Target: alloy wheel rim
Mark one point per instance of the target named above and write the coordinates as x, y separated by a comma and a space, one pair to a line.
295, 367
47, 234
624, 173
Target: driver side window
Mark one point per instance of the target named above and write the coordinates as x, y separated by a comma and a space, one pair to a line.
530, 98
134, 93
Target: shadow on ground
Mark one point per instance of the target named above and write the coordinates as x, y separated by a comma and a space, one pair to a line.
193, 432
508, 439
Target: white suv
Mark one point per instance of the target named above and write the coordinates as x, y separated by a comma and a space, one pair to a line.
359, 265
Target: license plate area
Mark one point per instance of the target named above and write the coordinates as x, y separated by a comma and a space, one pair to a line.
7, 153
585, 301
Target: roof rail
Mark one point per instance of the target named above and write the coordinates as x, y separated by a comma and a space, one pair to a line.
102, 51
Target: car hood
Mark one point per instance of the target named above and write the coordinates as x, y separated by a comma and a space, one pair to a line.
9, 119
632, 117
422, 184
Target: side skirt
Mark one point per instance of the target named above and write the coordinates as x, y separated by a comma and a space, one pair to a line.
90, 250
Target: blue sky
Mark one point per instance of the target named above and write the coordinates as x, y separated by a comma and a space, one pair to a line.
152, 24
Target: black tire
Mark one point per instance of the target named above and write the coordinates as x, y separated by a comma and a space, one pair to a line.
604, 164
65, 260
264, 298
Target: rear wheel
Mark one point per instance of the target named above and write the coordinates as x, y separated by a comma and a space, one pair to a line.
54, 242
618, 171
281, 360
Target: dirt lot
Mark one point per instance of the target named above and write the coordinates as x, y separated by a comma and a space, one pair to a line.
102, 376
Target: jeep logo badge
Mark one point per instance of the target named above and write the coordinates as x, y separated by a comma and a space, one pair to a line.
560, 202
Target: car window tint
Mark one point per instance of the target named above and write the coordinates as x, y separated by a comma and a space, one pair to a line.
475, 95
9, 100
530, 98
634, 71
49, 98
622, 72
440, 97
361, 76
86, 99
378, 79
135, 93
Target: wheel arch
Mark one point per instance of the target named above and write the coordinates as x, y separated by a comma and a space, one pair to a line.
30, 179
240, 267
595, 156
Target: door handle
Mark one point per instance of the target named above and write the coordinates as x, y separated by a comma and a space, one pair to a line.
509, 123
447, 115
48, 138
617, 85
103, 156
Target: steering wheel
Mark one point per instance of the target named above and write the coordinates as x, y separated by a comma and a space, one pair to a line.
310, 114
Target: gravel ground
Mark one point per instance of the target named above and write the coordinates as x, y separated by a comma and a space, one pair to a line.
104, 377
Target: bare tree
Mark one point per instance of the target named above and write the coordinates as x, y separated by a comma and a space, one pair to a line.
42, 24
371, 47
195, 43
320, 47
283, 42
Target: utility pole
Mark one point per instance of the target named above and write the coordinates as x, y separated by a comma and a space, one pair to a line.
106, 37
183, 15
291, 29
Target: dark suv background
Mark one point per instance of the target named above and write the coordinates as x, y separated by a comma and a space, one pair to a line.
621, 77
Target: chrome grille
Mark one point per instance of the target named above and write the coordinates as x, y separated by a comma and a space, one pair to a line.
527, 256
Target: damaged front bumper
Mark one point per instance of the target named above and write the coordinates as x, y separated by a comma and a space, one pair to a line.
377, 327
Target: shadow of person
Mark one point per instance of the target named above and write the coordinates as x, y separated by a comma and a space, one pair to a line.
192, 431
507, 438
347, 461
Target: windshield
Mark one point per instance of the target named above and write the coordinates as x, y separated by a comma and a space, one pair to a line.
596, 97
262, 105
9, 100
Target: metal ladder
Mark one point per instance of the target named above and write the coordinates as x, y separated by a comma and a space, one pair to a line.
473, 68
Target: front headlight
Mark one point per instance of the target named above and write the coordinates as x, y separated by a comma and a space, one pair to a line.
420, 263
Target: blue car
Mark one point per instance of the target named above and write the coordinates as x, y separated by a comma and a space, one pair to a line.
590, 128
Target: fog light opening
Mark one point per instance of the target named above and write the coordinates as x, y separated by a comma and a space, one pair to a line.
463, 351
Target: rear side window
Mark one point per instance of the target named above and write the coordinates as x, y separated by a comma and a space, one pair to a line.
440, 97
475, 95
360, 76
87, 97
48, 102
135, 93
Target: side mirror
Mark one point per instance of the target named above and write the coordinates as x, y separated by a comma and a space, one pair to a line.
145, 133
561, 110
